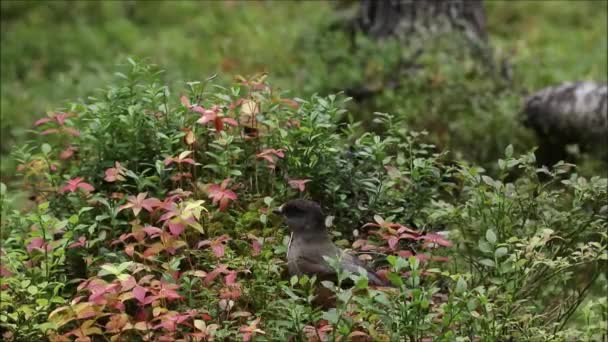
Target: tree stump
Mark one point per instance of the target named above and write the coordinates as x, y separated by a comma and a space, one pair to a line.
569, 113
404, 18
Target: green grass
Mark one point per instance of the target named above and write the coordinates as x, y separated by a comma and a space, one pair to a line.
57, 51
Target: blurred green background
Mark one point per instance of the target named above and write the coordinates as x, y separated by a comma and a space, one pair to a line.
58, 51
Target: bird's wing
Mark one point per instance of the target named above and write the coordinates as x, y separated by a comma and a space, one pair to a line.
314, 265
348, 262
352, 264
310, 261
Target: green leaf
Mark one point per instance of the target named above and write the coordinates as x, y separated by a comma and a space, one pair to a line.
73, 219
488, 180
42, 302
502, 164
331, 316
500, 252
327, 284
395, 279
484, 246
491, 236
290, 293
487, 262
509, 151
413, 262
46, 148
362, 283
33, 290
109, 269
43, 206
345, 296
84, 210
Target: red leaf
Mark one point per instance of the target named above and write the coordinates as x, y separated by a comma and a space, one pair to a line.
75, 184
180, 159
61, 117
85, 187
291, 103
298, 184
5, 272
49, 131
168, 291
436, 238
80, 243
215, 273
57, 117
256, 246
141, 315
130, 249
36, 243
218, 250
140, 202
139, 293
359, 243
218, 123
42, 121
230, 278
252, 329
152, 231
198, 109
207, 115
392, 242
231, 292
115, 173
71, 131
176, 228
405, 254
67, 153
219, 193
185, 101
128, 283
153, 250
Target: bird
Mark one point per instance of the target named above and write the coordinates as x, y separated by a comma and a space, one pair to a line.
310, 244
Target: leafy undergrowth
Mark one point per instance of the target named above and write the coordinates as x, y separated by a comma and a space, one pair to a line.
150, 219
47, 57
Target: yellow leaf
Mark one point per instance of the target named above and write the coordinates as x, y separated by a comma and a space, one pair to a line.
61, 316
250, 108
200, 324
190, 138
84, 310
158, 310
184, 154
141, 326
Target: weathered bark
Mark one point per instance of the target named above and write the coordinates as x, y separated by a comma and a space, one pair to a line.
404, 18
569, 113
413, 23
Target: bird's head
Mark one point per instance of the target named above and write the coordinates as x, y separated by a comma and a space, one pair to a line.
302, 216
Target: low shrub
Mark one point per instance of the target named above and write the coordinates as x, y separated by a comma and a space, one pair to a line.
150, 219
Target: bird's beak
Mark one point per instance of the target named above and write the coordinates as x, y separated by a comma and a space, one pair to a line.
278, 211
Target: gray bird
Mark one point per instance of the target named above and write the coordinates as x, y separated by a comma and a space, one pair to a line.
310, 242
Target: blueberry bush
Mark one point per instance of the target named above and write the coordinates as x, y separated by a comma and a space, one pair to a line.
149, 218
